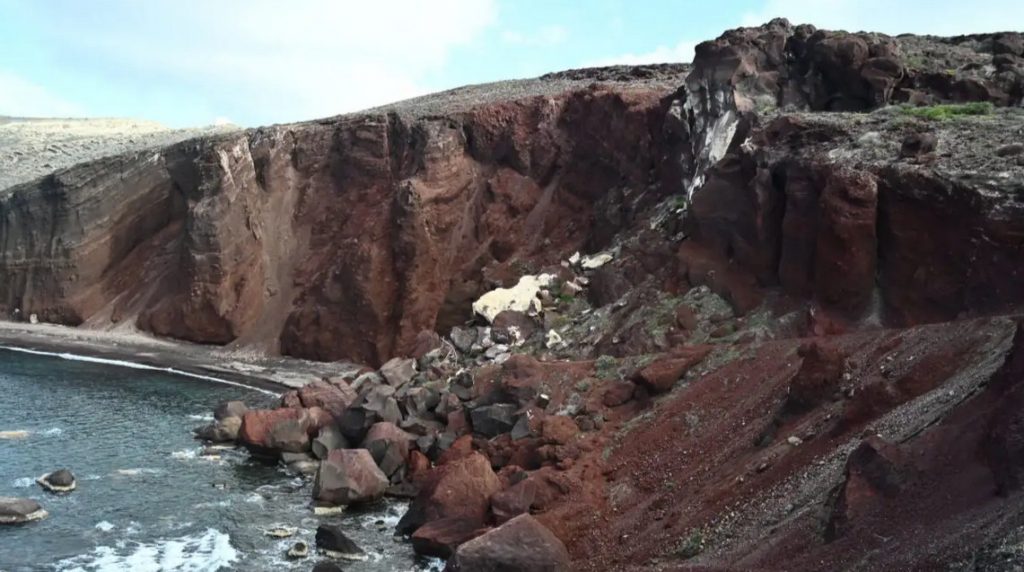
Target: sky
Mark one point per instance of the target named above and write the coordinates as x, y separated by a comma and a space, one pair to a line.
258, 62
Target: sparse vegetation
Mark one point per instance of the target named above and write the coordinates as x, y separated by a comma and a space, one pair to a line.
691, 546
606, 368
949, 111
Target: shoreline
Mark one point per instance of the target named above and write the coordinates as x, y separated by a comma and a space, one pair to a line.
136, 350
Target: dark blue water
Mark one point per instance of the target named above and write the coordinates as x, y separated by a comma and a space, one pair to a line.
146, 501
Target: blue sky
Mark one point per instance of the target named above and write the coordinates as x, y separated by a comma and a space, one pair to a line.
255, 62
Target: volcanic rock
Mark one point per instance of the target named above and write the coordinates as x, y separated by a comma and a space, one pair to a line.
398, 371
440, 538
18, 511
228, 409
270, 432
348, 476
521, 544
328, 439
59, 481
459, 489
388, 445
332, 541
493, 420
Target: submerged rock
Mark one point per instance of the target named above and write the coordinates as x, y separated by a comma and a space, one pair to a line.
17, 510
332, 541
298, 550
59, 481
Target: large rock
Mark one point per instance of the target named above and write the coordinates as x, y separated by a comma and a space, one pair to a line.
441, 537
663, 373
398, 371
228, 409
521, 545
493, 420
349, 476
59, 481
460, 488
18, 511
519, 298
333, 398
221, 431
328, 439
270, 432
332, 541
388, 445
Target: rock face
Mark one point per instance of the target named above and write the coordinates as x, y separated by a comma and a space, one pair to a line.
261, 237
19, 511
521, 544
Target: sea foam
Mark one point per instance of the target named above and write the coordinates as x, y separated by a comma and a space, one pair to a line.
205, 552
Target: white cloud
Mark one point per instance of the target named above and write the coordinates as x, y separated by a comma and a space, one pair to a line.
938, 17
20, 97
282, 62
681, 52
545, 36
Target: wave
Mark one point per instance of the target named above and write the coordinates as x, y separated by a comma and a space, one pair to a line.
104, 526
206, 552
134, 365
23, 482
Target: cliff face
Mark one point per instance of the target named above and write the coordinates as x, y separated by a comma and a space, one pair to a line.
336, 239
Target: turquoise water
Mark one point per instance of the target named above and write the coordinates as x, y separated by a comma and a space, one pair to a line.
146, 500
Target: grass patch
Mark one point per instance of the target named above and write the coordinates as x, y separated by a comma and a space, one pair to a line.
949, 111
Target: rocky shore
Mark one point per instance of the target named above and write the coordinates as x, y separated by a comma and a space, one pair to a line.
761, 312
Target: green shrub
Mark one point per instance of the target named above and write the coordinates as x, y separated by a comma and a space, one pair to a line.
949, 111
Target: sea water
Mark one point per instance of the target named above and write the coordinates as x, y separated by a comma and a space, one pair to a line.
146, 499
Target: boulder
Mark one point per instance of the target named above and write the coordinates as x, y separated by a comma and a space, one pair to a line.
818, 378
458, 489
388, 445
332, 541
661, 375
18, 511
328, 439
269, 432
516, 326
522, 544
59, 481
559, 429
302, 463
514, 501
330, 397
441, 537
291, 399
222, 431
618, 393
298, 550
876, 472
463, 338
398, 371
348, 476
520, 298
493, 420
228, 409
